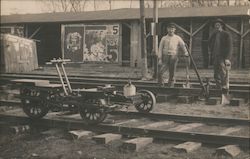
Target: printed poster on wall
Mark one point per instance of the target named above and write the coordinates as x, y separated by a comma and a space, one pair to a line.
101, 43
91, 43
73, 42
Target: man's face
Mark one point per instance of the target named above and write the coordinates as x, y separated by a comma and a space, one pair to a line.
218, 26
171, 30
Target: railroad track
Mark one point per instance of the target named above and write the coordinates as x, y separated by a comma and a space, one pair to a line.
237, 90
220, 131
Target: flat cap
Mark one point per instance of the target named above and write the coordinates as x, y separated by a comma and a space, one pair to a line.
171, 25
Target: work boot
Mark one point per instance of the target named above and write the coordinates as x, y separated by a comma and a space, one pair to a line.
171, 84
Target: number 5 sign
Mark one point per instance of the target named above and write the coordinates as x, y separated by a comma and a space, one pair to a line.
113, 29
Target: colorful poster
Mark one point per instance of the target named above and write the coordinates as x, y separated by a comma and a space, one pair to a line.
73, 42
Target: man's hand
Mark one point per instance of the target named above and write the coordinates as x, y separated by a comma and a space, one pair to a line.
160, 61
227, 64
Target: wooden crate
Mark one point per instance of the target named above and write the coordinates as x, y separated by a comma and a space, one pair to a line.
17, 54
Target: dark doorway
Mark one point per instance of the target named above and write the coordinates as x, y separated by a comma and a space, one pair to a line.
125, 45
49, 41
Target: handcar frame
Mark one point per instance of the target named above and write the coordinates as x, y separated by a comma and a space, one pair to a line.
38, 97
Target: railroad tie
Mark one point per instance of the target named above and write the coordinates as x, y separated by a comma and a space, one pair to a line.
72, 116
126, 121
187, 147
157, 124
230, 130
227, 151
136, 143
78, 134
185, 99
51, 132
161, 98
106, 138
213, 101
185, 127
236, 102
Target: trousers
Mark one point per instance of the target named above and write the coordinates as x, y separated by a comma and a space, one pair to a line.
221, 74
169, 62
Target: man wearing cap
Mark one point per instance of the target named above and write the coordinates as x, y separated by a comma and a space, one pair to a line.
220, 44
171, 46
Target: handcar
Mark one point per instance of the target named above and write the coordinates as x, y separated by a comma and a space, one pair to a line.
38, 97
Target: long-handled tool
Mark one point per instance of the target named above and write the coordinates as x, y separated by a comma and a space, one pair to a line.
225, 98
187, 84
204, 90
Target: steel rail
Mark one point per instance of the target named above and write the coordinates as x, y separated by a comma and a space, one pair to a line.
160, 134
161, 90
186, 118
172, 117
115, 80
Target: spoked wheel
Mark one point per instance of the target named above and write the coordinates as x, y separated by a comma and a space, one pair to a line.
92, 112
148, 101
92, 116
34, 103
35, 109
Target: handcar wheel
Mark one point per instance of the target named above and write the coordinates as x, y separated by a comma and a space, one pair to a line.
148, 101
35, 109
92, 116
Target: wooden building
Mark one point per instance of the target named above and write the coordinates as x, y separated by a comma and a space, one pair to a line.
117, 34
18, 54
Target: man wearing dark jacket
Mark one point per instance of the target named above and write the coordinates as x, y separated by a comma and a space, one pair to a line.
220, 44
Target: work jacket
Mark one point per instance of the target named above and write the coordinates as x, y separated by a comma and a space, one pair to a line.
220, 44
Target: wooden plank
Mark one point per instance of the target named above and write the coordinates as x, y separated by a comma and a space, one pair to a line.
127, 121
157, 124
137, 143
106, 138
228, 151
185, 127
77, 134
187, 146
230, 130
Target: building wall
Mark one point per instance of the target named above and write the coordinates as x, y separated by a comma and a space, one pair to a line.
246, 45
200, 50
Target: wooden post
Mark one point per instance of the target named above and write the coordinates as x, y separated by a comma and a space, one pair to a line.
191, 36
190, 44
241, 43
26, 31
155, 39
143, 40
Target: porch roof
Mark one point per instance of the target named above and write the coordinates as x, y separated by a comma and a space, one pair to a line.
124, 14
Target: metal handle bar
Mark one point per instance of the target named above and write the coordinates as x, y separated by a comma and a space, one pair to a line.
60, 60
197, 73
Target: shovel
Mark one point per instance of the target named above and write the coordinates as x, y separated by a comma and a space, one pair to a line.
204, 91
225, 97
187, 84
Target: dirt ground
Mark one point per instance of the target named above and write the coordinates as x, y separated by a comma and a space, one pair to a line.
200, 109
60, 145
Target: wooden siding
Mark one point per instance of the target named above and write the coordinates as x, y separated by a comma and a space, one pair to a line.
17, 54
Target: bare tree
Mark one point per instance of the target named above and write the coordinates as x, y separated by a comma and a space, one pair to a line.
110, 4
65, 5
80, 5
